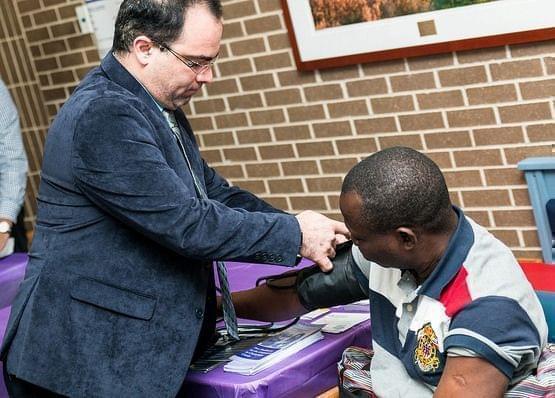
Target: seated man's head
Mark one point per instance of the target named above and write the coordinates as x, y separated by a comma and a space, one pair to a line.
397, 207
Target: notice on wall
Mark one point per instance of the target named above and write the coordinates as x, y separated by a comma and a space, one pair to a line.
98, 17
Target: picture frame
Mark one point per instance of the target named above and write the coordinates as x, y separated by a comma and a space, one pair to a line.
482, 25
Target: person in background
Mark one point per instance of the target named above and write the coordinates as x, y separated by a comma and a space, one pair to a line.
452, 313
119, 293
13, 176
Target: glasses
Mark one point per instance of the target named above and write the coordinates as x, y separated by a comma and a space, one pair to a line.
195, 66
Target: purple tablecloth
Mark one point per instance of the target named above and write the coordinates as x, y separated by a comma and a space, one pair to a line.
308, 373
12, 271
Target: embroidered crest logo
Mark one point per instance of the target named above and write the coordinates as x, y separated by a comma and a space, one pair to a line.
426, 353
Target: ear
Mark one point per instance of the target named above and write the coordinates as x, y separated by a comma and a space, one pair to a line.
407, 237
142, 48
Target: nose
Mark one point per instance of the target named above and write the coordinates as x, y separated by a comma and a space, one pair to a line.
206, 75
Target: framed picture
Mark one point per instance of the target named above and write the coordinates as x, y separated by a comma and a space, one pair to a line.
331, 33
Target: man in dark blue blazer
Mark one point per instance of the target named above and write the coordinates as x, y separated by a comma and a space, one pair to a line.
119, 292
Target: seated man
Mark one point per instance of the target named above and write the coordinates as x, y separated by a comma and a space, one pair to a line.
452, 312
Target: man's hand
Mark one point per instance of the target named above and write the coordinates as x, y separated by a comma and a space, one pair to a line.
320, 235
3, 240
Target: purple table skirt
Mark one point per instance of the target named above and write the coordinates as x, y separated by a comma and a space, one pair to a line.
308, 373
12, 271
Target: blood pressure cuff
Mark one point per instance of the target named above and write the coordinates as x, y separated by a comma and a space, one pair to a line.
346, 283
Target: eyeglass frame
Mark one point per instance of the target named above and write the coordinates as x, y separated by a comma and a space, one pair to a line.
189, 62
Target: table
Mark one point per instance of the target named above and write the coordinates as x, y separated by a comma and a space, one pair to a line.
12, 271
306, 374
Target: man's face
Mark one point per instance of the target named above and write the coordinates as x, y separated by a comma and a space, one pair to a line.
385, 249
168, 79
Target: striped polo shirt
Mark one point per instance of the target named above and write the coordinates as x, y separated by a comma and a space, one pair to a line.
476, 302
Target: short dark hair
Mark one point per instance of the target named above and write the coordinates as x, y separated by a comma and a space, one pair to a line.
400, 186
160, 20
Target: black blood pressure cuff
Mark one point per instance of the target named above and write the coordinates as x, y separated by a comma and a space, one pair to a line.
344, 284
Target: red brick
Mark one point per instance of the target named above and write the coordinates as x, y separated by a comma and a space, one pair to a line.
240, 154
356, 145
463, 178
315, 149
504, 176
254, 136
463, 76
475, 158
218, 139
471, 117
309, 112
338, 165
515, 155
323, 92
421, 121
332, 129
516, 69
452, 139
276, 151
295, 132
290, 185
324, 184
348, 108
299, 167
308, 202
512, 218
440, 100
541, 132
366, 87
262, 170
413, 141
538, 89
491, 94
498, 135
525, 112
416, 81
402, 103
375, 125
486, 198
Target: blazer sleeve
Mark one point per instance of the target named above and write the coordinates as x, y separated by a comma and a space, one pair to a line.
119, 165
219, 189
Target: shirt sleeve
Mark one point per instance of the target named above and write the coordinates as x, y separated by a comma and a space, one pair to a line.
13, 161
499, 330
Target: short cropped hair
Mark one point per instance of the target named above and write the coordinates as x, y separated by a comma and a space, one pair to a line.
160, 20
399, 186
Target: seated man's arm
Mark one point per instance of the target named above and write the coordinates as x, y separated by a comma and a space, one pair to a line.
268, 304
471, 377
305, 290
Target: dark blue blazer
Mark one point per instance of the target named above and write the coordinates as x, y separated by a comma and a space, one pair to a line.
119, 275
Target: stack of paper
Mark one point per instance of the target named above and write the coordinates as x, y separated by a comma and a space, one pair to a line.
273, 349
337, 322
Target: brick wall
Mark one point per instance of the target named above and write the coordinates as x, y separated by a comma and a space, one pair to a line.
290, 137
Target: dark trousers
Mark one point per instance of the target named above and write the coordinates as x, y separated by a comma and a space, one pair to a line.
19, 234
18, 388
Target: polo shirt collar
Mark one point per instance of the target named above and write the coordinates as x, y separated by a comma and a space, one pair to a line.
452, 260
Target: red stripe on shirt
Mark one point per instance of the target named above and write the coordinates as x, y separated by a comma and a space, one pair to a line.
455, 295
